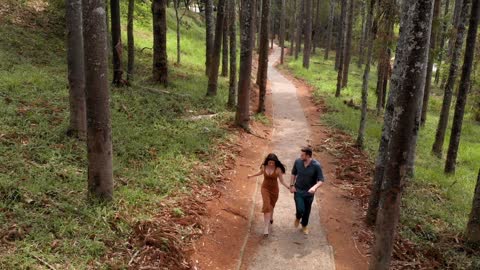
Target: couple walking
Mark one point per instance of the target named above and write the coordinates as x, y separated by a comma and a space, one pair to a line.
306, 177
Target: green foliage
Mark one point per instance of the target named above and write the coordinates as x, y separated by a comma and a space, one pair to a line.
435, 206
43, 172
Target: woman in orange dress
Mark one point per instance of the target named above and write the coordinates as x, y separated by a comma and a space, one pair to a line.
272, 170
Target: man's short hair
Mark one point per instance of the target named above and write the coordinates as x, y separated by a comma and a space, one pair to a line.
307, 150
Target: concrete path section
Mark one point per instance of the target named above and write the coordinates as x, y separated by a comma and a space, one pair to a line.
286, 247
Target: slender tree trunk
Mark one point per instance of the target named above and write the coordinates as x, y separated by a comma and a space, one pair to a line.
282, 31
363, 38
256, 24
472, 234
300, 15
292, 27
131, 41
217, 45
176, 4
99, 132
442, 42
348, 45
329, 28
160, 61
431, 60
307, 48
437, 148
225, 43
407, 91
452, 37
341, 49
263, 56
76, 69
209, 25
464, 88
232, 30
316, 27
369, 37
116, 43
340, 36
242, 116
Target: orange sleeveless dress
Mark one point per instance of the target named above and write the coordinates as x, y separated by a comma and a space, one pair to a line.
269, 191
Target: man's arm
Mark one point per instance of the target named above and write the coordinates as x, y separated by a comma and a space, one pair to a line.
293, 178
320, 180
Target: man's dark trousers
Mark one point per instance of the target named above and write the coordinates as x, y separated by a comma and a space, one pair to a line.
303, 203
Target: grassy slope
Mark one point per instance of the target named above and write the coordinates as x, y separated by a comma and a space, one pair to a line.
439, 204
43, 172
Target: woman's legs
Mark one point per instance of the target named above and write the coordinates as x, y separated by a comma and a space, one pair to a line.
266, 218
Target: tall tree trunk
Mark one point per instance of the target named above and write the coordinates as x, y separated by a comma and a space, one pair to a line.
160, 61
452, 38
472, 234
232, 30
340, 36
447, 96
442, 42
292, 26
307, 48
348, 45
263, 56
242, 116
176, 4
369, 37
341, 49
116, 43
407, 91
225, 43
131, 41
329, 28
99, 132
217, 46
300, 15
76, 69
316, 27
282, 31
431, 60
464, 88
256, 24
363, 38
209, 27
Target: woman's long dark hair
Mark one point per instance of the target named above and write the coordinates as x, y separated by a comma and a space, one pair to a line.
278, 164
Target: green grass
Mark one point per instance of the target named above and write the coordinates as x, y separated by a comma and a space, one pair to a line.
438, 203
43, 172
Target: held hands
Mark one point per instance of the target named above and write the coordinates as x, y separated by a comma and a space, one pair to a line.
293, 189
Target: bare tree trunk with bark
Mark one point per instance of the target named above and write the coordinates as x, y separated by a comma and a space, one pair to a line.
329, 28
282, 31
463, 89
160, 61
443, 35
116, 44
406, 91
225, 42
292, 27
363, 38
300, 15
348, 45
131, 41
209, 25
437, 148
369, 38
242, 116
431, 60
76, 69
99, 132
263, 56
232, 30
316, 27
176, 6
472, 234
341, 49
217, 46
308, 34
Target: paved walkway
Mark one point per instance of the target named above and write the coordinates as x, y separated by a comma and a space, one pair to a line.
287, 247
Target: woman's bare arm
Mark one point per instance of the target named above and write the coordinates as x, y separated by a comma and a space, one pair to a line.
260, 172
280, 178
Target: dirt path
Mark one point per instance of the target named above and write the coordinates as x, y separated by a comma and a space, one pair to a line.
287, 247
233, 239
